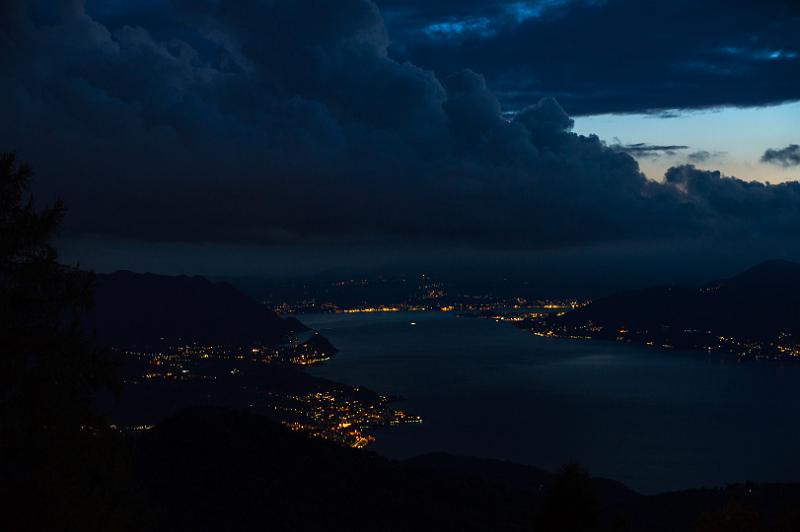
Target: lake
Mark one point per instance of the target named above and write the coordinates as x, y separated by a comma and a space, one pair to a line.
654, 419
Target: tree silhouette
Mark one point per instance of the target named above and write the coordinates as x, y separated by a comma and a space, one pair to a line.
53, 451
734, 517
570, 503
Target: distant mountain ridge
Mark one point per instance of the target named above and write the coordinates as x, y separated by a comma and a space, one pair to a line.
758, 310
146, 309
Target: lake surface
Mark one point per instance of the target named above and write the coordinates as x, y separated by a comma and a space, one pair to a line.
654, 419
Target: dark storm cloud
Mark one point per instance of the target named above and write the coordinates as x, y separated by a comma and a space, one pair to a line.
699, 156
704, 156
412, 16
746, 205
786, 157
641, 149
287, 121
612, 56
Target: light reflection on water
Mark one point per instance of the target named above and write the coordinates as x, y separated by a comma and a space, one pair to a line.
654, 419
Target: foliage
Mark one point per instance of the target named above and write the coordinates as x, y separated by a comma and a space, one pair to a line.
571, 504
53, 451
733, 517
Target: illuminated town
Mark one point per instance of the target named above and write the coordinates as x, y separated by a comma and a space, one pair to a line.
418, 293
339, 416
783, 347
179, 363
265, 379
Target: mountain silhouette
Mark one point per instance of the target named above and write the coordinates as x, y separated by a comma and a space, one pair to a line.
761, 304
145, 310
210, 469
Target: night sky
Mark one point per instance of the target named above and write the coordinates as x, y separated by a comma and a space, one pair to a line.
252, 137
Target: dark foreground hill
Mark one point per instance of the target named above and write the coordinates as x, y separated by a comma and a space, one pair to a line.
145, 310
756, 312
211, 469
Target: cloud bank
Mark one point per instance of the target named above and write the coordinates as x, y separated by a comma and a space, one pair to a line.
640, 149
610, 56
786, 157
288, 121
